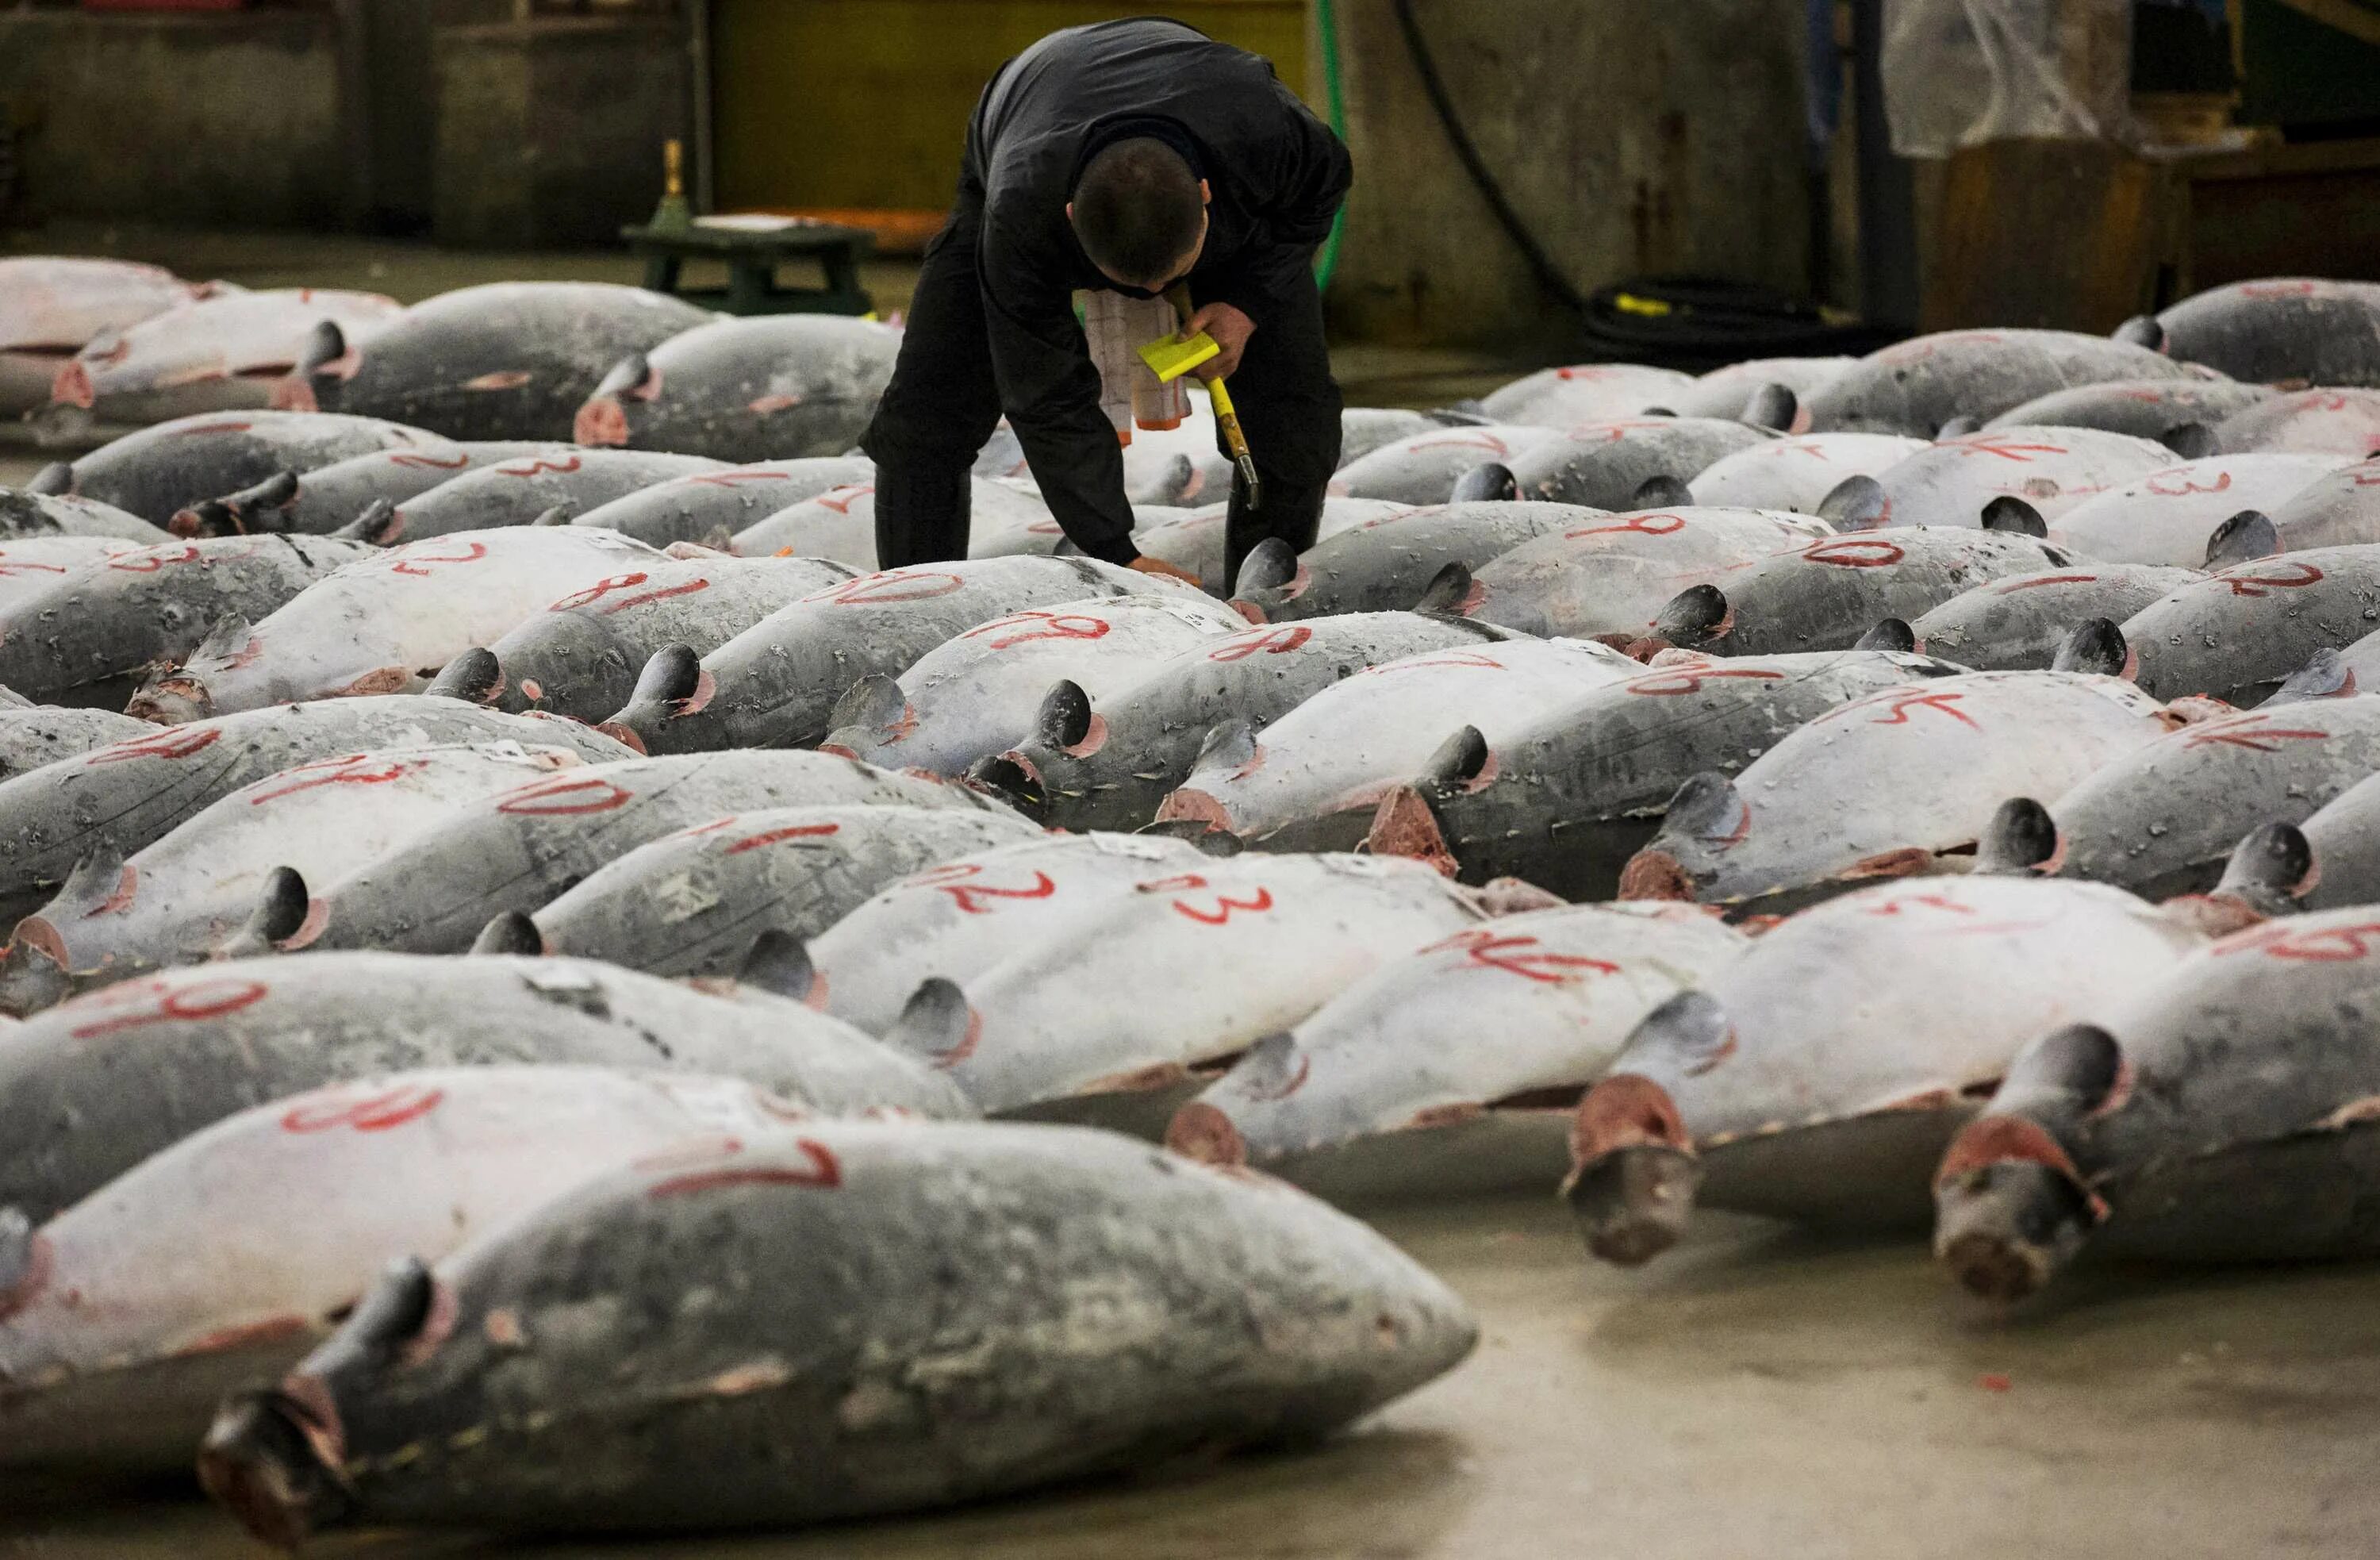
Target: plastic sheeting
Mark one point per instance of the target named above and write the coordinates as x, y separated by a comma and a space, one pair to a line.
1962, 72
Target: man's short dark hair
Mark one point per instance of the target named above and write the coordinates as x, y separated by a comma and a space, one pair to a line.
1137, 210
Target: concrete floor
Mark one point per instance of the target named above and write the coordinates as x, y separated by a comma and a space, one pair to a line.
1755, 1393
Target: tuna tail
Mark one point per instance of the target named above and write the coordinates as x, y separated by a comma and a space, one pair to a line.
55, 481
2142, 330
1892, 634
2021, 837
1661, 492
2324, 676
1959, 427
1696, 617
2271, 870
2244, 538
1772, 406
1267, 580
476, 677
1490, 483
509, 932
874, 704
2097, 645
236, 514
1856, 503
377, 524
1448, 594
2014, 515
779, 963
672, 684
1633, 1173
2012, 1209
2192, 440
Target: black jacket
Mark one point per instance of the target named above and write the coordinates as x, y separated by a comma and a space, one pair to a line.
1275, 176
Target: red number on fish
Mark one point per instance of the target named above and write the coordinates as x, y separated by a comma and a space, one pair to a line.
1613, 431
2256, 586
893, 585
1898, 706
2300, 289
1488, 442
1856, 553
2002, 446
377, 1113
213, 428
1272, 642
1224, 907
536, 465
565, 797
730, 479
177, 743
841, 499
2244, 732
1643, 525
11, 569
1667, 685
778, 836
604, 588
356, 769
2332, 944
1468, 659
823, 1172
2014, 585
149, 560
1491, 951
2177, 484
191, 1004
472, 553
1023, 628
971, 897
429, 462
2366, 475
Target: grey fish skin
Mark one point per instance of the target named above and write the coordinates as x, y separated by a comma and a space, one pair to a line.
2319, 421
2239, 632
2148, 409
507, 360
2336, 511
96, 1085
1114, 774
121, 798
1727, 391
1387, 564
2279, 330
329, 498
158, 471
746, 389
1916, 386
2344, 838
1612, 574
692, 903
517, 492
92, 636
43, 514
1601, 465
43, 733
1363, 430
1123, 1306
1566, 804
776, 682
1824, 594
1562, 398
2222, 1116
1424, 468
523, 848
580, 656
2163, 819
2017, 623
710, 507
2051, 470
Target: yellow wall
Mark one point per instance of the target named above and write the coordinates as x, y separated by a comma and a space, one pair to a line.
864, 103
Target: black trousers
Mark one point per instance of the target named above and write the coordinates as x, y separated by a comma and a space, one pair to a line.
943, 402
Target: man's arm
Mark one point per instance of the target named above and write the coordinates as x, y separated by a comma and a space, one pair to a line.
1050, 392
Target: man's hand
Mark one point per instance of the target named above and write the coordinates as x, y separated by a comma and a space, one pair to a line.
1147, 565
1230, 330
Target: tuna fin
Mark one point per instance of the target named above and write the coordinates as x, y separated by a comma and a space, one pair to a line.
1658, 411
376, 526
1266, 572
1460, 758
626, 376
1462, 414
935, 1021
476, 677
2192, 440
2021, 837
1219, 844
509, 932
1491, 482
1772, 406
2014, 515
2324, 676
557, 515
325, 344
671, 676
235, 514
1227, 745
282, 907
1065, 717
93, 882
2271, 870
1695, 616
779, 962
2096, 645
2244, 538
1661, 492
1706, 803
1856, 503
1447, 593
226, 639
53, 481
874, 704
1959, 427
2142, 330
1891, 633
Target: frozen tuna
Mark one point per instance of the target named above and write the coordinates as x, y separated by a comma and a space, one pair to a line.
2050, 470
2317, 422
1424, 468
1819, 1076
217, 354
1591, 392
158, 471
694, 902
547, 1383
1729, 391
24, 513
1195, 540
710, 507
1566, 801
752, 389
1363, 430
1456, 1068
1916, 386
841, 523
1313, 779
978, 694
387, 623
2239, 632
33, 734
2148, 409
2020, 622
1387, 563
30, 564
2277, 330
52, 305
331, 498
1606, 465
545, 486
2167, 518
1798, 473
1613, 574
507, 360
2336, 510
